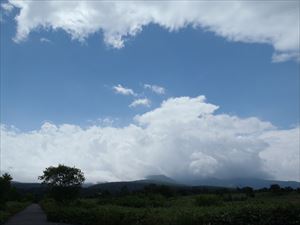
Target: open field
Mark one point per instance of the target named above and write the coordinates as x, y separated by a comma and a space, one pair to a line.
150, 209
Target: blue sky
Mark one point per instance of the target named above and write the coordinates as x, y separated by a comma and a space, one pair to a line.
124, 90
67, 81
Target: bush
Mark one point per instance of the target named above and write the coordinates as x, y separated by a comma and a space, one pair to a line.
135, 200
3, 216
207, 200
115, 215
259, 211
234, 197
10, 209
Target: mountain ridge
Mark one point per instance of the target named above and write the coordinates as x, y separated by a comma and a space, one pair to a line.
165, 180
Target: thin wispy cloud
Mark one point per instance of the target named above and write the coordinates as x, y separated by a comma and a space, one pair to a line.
274, 23
140, 102
119, 89
45, 40
155, 88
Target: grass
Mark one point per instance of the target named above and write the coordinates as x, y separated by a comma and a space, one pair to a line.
204, 209
11, 208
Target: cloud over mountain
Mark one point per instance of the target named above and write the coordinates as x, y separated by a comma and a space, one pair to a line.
271, 22
184, 138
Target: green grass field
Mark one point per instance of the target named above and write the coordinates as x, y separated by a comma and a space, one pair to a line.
204, 209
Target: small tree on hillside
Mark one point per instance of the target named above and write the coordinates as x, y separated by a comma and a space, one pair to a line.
64, 182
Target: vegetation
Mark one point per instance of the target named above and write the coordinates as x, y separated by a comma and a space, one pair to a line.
11, 208
11, 201
235, 207
153, 204
64, 182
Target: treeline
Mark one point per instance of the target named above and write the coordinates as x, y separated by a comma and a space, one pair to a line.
172, 191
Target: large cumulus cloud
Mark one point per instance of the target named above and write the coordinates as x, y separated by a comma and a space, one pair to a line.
272, 22
184, 138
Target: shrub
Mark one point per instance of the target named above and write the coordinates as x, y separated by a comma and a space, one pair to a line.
207, 200
10, 209
234, 197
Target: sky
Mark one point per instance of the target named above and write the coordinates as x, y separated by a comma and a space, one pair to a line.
123, 90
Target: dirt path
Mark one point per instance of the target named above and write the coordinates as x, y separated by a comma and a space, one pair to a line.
32, 215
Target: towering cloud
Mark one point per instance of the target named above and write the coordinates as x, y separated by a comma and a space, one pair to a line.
271, 22
184, 138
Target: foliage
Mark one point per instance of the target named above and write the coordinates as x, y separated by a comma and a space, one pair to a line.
234, 197
248, 191
275, 189
64, 182
11, 209
164, 190
138, 201
8, 196
207, 200
262, 210
5, 188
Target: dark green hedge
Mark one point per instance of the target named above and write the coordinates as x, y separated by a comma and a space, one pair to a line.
249, 214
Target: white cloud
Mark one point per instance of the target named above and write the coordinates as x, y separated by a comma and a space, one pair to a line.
45, 40
5, 10
7, 7
271, 22
119, 89
282, 57
141, 102
155, 88
282, 155
184, 138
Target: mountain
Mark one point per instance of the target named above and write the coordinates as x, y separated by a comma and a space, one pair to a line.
20, 185
215, 182
135, 185
164, 180
114, 187
160, 179
242, 182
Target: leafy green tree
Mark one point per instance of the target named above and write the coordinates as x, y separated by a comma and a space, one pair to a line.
64, 182
5, 188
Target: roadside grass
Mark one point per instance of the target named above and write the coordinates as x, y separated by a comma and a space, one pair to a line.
10, 208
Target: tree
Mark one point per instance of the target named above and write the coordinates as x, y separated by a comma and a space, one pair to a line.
275, 189
64, 182
5, 188
5, 185
248, 191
